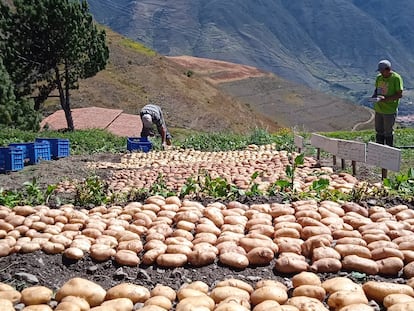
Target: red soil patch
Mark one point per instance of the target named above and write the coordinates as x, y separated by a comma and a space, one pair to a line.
217, 71
114, 120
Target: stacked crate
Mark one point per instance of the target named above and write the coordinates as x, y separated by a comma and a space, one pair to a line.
16, 155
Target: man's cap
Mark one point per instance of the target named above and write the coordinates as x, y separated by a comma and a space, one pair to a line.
384, 64
146, 120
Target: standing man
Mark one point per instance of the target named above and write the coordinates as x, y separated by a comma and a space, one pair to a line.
152, 114
386, 97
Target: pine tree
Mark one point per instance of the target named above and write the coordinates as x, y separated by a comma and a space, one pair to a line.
50, 45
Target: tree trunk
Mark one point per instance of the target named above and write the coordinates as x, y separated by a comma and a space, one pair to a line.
64, 99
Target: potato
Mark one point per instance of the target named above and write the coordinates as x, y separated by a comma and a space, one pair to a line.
151, 255
267, 305
268, 293
36, 295
237, 283
266, 282
405, 306
220, 293
390, 266
249, 243
67, 306
393, 299
160, 301
343, 298
78, 301
93, 293
260, 256
37, 308
199, 258
409, 270
313, 291
136, 293
74, 253
352, 240
184, 292
379, 290
289, 245
306, 278
357, 263
235, 260
340, 284
351, 249
127, 257
12, 295
385, 252
340, 234
6, 305
163, 290
290, 264
198, 303
326, 265
119, 304
357, 307
324, 252
230, 306
306, 303
101, 252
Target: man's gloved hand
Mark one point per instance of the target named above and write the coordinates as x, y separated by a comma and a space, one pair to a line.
163, 146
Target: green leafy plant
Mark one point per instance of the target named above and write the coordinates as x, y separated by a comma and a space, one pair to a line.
159, 187
9, 198
92, 191
402, 183
253, 189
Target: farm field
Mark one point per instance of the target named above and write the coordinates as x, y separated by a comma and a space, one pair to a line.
215, 245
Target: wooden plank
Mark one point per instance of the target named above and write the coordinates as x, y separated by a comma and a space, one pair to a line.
384, 156
325, 143
299, 141
352, 150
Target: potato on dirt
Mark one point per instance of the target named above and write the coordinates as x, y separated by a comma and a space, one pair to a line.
379, 290
6, 305
136, 293
36, 295
93, 293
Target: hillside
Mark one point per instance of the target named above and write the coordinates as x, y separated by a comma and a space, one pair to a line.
208, 95
330, 46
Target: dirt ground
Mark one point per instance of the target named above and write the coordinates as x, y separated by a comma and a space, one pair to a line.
22, 270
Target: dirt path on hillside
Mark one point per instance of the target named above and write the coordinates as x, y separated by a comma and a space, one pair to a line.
371, 119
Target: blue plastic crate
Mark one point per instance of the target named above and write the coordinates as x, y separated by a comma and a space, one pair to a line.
34, 152
11, 159
139, 144
59, 148
23, 146
39, 151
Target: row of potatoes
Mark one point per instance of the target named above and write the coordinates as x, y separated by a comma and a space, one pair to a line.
141, 170
299, 236
307, 293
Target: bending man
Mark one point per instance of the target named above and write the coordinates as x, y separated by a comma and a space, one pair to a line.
152, 114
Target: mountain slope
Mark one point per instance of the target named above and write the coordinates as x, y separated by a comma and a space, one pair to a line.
208, 95
331, 46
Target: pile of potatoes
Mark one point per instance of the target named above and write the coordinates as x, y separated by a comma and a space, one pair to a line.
307, 292
170, 232
140, 170
293, 237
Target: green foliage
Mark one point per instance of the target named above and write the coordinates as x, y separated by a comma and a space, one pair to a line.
136, 46
32, 194
92, 191
402, 183
15, 113
159, 187
51, 45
